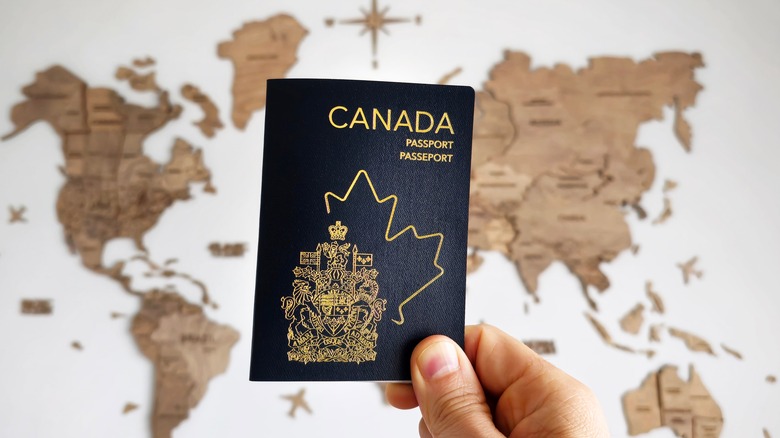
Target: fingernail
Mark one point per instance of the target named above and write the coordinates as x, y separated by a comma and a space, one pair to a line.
437, 360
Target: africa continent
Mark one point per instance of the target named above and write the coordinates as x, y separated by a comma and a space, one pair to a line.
555, 164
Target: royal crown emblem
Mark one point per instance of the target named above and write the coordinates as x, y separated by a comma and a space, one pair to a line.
338, 231
334, 309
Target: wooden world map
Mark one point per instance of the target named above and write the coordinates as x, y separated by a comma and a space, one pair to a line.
556, 169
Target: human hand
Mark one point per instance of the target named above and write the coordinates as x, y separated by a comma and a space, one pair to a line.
497, 387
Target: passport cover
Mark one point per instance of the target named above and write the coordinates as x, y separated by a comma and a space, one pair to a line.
363, 227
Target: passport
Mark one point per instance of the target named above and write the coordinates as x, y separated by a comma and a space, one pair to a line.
363, 227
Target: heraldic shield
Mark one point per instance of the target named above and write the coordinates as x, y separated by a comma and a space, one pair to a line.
334, 308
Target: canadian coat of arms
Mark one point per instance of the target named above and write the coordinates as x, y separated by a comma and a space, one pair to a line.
334, 309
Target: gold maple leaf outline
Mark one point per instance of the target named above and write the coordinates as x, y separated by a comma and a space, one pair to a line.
389, 238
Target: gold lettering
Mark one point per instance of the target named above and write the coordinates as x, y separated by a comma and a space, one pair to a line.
448, 126
403, 116
417, 121
385, 123
330, 116
383, 118
359, 118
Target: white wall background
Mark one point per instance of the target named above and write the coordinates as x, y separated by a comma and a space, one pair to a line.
726, 209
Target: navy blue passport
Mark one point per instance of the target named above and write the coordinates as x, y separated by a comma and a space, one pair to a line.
363, 226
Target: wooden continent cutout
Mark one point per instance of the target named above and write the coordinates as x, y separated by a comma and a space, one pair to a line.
211, 122
655, 298
654, 334
227, 249
113, 190
473, 262
555, 160
144, 62
607, 338
36, 307
632, 321
731, 351
692, 342
138, 81
666, 213
664, 400
447, 77
541, 347
260, 50
187, 350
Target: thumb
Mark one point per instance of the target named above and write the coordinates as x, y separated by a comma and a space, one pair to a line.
451, 398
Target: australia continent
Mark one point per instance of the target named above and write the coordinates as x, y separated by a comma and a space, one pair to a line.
664, 400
